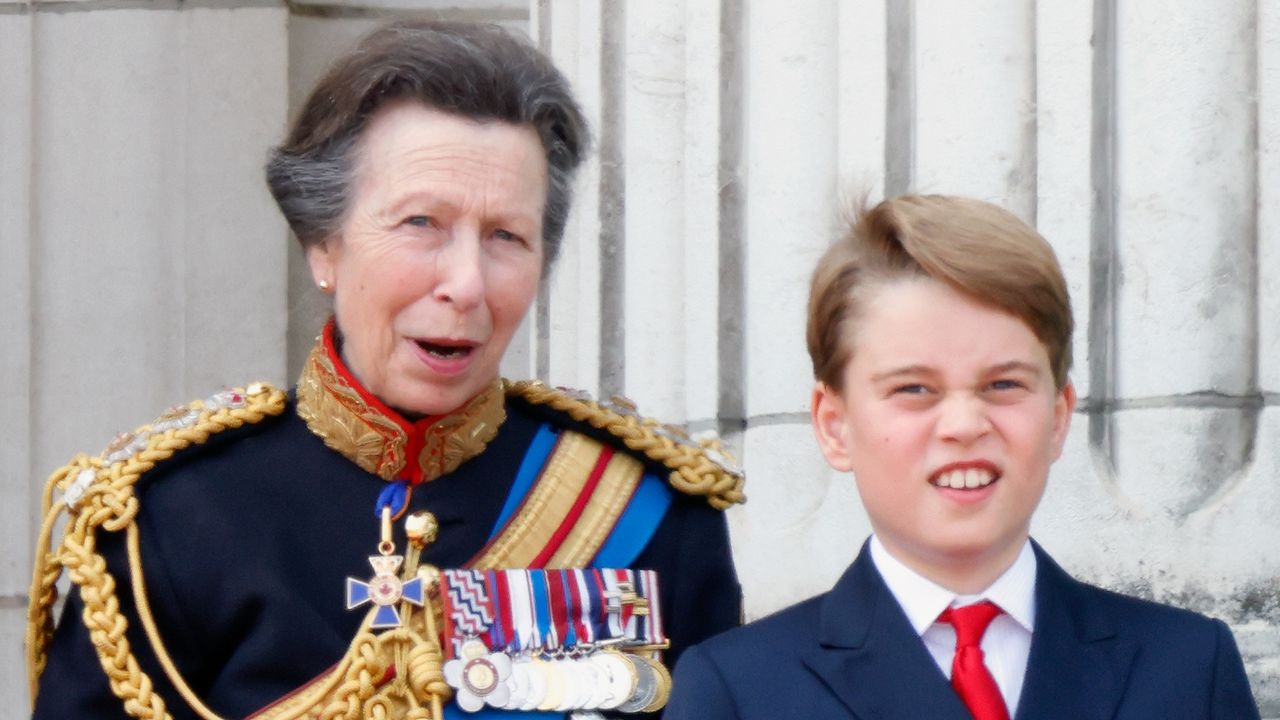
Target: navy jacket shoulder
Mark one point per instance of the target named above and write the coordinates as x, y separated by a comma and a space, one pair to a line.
851, 653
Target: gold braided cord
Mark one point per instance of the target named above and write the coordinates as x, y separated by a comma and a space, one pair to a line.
109, 502
153, 634
44, 577
692, 472
294, 707
107, 626
43, 594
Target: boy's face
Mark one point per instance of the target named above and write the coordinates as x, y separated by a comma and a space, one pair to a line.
949, 420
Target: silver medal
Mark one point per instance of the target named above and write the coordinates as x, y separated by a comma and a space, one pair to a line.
537, 684
620, 678
646, 688
519, 684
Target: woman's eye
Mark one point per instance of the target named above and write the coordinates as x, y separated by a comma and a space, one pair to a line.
418, 221
506, 235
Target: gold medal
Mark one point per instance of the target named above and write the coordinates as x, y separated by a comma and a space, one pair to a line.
555, 687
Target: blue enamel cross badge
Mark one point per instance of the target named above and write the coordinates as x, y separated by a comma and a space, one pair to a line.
384, 590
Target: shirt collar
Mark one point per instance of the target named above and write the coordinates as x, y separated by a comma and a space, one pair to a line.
924, 600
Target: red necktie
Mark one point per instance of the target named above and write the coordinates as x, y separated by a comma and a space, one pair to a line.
969, 675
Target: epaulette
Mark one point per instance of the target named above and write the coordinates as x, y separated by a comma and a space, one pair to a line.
697, 466
98, 492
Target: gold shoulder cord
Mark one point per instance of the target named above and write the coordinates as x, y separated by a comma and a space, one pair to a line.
697, 467
98, 492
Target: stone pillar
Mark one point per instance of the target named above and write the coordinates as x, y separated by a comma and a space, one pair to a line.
18, 499
142, 262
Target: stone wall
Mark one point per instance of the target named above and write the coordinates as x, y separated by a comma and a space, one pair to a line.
142, 262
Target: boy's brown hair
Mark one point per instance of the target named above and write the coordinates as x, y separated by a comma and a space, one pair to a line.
977, 248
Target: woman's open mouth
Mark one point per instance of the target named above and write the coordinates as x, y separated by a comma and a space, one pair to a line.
445, 351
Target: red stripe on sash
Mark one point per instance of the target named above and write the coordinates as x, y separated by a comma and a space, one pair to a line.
497, 536
559, 605
575, 512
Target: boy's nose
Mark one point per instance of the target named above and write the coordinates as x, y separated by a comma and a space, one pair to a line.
963, 419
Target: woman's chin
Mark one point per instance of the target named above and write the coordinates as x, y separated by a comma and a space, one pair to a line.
417, 400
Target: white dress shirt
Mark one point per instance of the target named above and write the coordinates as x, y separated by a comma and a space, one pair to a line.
1007, 641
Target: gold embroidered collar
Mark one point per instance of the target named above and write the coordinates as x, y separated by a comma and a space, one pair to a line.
363, 429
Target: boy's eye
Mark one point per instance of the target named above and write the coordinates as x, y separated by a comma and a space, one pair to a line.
507, 235
910, 389
1007, 384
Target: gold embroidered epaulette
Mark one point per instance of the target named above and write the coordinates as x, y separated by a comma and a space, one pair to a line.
98, 492
697, 466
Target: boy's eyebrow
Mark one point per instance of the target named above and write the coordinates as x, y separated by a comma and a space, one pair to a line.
1022, 365
907, 370
1011, 366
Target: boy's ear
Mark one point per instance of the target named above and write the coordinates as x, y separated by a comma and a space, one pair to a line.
827, 412
1064, 406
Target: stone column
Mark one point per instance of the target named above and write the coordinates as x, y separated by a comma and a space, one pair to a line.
142, 262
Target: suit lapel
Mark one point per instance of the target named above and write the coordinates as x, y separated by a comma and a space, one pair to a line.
870, 657
1079, 664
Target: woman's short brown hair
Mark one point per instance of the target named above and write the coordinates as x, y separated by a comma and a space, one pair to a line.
474, 71
977, 248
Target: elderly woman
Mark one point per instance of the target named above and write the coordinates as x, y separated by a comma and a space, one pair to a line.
405, 535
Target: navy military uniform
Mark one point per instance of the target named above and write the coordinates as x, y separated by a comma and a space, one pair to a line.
245, 542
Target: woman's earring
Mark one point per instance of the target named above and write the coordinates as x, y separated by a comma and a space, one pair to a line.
324, 286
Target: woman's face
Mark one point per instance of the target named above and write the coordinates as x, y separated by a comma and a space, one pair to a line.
439, 256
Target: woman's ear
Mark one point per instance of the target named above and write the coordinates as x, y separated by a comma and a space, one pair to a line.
830, 419
322, 260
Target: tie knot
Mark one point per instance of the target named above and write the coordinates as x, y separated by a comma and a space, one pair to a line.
970, 621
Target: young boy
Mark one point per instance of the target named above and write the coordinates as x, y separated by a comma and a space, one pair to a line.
940, 334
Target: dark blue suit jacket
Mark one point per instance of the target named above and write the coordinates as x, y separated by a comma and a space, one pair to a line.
851, 653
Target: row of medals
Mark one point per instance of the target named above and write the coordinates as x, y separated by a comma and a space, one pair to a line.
598, 679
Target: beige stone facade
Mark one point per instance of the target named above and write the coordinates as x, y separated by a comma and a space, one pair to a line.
142, 262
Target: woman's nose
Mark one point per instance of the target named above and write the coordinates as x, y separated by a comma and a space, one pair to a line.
461, 268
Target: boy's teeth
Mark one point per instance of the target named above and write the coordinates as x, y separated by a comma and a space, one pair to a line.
965, 479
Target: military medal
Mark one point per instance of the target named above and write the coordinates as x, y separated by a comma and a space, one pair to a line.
537, 684
384, 591
620, 678
519, 683
598, 691
584, 681
554, 640
646, 688
479, 676
555, 686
